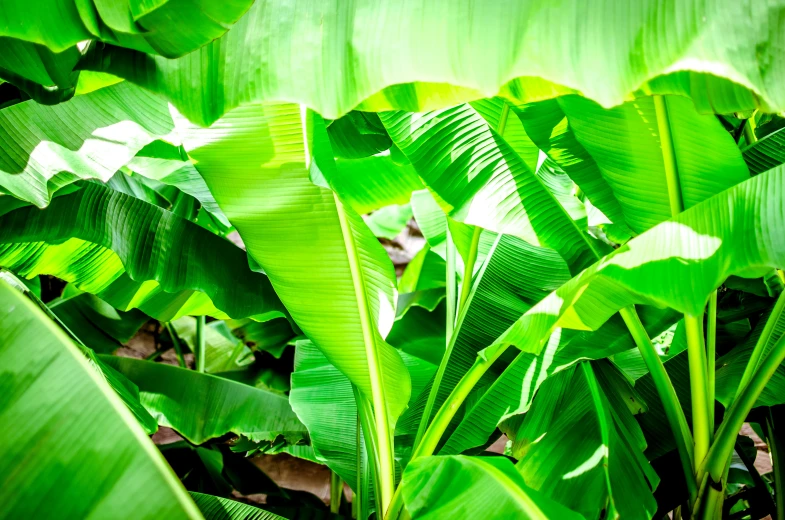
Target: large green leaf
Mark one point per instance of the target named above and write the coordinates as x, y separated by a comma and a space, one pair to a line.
624, 143
734, 232
579, 444
159, 262
92, 136
484, 182
217, 508
165, 27
423, 56
67, 436
474, 487
325, 264
202, 407
125, 389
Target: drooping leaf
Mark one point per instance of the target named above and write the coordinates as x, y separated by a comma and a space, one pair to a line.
439, 55
323, 399
45, 76
125, 389
474, 487
76, 238
201, 406
624, 143
511, 393
68, 436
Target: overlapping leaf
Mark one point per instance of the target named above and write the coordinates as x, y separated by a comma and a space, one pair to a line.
734, 232
579, 444
134, 255
92, 136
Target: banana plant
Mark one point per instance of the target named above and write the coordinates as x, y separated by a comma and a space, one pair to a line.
598, 287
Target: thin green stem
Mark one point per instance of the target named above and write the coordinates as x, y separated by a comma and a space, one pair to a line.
200, 344
696, 354
468, 269
336, 492
711, 355
670, 402
452, 285
668, 156
722, 448
176, 344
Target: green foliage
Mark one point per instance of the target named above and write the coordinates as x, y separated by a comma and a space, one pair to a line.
586, 177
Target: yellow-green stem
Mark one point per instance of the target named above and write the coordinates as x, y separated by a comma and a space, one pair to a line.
749, 130
670, 402
711, 354
696, 354
336, 492
200, 344
468, 269
433, 393
763, 341
668, 156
